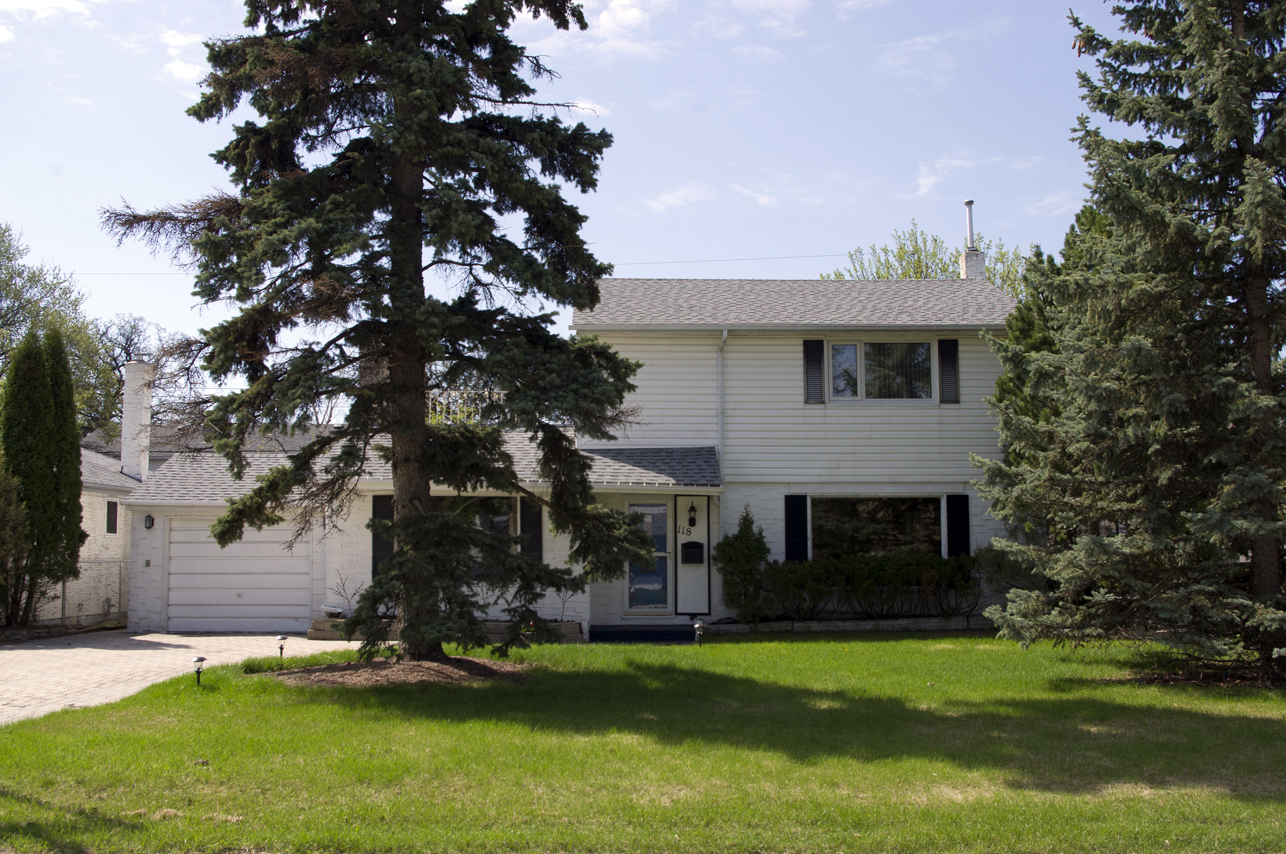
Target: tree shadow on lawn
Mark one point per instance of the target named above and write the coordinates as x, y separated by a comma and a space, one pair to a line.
63, 836
1067, 745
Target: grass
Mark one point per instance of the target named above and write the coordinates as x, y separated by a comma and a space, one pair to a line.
833, 743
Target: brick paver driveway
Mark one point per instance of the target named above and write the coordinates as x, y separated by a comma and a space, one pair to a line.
42, 676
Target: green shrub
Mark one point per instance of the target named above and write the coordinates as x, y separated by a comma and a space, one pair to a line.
876, 587
802, 589
740, 557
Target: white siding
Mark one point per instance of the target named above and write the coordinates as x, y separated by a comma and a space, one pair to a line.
677, 389
771, 435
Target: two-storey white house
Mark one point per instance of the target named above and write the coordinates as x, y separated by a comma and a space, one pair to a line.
838, 410
842, 413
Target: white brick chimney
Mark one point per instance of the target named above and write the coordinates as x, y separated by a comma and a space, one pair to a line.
973, 262
136, 419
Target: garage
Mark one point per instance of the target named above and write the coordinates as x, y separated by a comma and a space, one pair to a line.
255, 585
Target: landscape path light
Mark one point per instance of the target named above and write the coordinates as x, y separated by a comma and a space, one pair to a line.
198, 661
281, 646
700, 630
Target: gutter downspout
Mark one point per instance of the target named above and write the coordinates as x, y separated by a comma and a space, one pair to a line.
719, 400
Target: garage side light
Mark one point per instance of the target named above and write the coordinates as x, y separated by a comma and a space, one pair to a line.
148, 521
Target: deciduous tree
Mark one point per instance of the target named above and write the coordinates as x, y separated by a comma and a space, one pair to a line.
916, 254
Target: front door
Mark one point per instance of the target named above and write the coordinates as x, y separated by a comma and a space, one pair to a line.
650, 590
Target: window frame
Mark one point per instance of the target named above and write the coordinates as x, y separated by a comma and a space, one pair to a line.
861, 399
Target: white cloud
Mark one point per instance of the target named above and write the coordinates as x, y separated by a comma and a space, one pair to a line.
858, 5
185, 72
680, 196
581, 105
762, 199
919, 60
1054, 204
925, 62
1025, 163
757, 52
615, 27
776, 15
176, 39
45, 8
6, 34
931, 174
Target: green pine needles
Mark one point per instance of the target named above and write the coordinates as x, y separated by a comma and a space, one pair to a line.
40, 515
1142, 405
399, 140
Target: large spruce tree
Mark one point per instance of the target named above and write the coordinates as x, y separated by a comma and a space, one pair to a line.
1151, 499
399, 140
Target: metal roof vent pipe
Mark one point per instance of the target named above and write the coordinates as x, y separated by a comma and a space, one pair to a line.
973, 263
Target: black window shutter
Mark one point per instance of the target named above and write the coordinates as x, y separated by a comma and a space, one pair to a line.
957, 525
796, 527
949, 370
814, 368
111, 517
381, 548
531, 528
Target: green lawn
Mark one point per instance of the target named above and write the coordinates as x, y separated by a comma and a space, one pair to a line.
834, 743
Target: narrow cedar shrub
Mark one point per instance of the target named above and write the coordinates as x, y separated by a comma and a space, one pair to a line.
739, 557
871, 587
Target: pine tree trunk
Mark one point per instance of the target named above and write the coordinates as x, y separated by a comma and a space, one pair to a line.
408, 403
1265, 571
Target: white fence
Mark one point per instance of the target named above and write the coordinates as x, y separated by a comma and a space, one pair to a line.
100, 595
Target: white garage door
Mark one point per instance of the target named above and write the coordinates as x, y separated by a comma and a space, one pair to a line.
254, 585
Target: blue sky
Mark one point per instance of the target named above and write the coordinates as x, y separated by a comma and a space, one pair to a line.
745, 129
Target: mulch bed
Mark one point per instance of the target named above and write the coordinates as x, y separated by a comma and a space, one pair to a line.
385, 671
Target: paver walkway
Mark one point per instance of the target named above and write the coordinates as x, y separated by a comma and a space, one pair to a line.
42, 676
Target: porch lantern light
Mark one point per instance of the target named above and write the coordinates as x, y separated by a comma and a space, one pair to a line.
700, 630
148, 521
281, 646
692, 515
198, 661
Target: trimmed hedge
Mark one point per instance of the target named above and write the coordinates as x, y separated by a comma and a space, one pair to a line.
879, 587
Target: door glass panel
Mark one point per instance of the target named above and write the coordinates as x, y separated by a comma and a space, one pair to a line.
649, 588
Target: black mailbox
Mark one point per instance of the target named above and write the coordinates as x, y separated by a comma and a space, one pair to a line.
692, 552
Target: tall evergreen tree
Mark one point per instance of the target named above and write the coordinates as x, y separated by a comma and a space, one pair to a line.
13, 551
64, 452
1160, 478
399, 138
26, 425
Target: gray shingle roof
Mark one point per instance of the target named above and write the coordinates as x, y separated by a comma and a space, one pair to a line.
200, 478
103, 471
797, 303
166, 441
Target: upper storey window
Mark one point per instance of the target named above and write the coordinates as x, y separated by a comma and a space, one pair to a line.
885, 371
881, 370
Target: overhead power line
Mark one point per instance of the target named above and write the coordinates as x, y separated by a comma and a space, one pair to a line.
614, 264
722, 260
